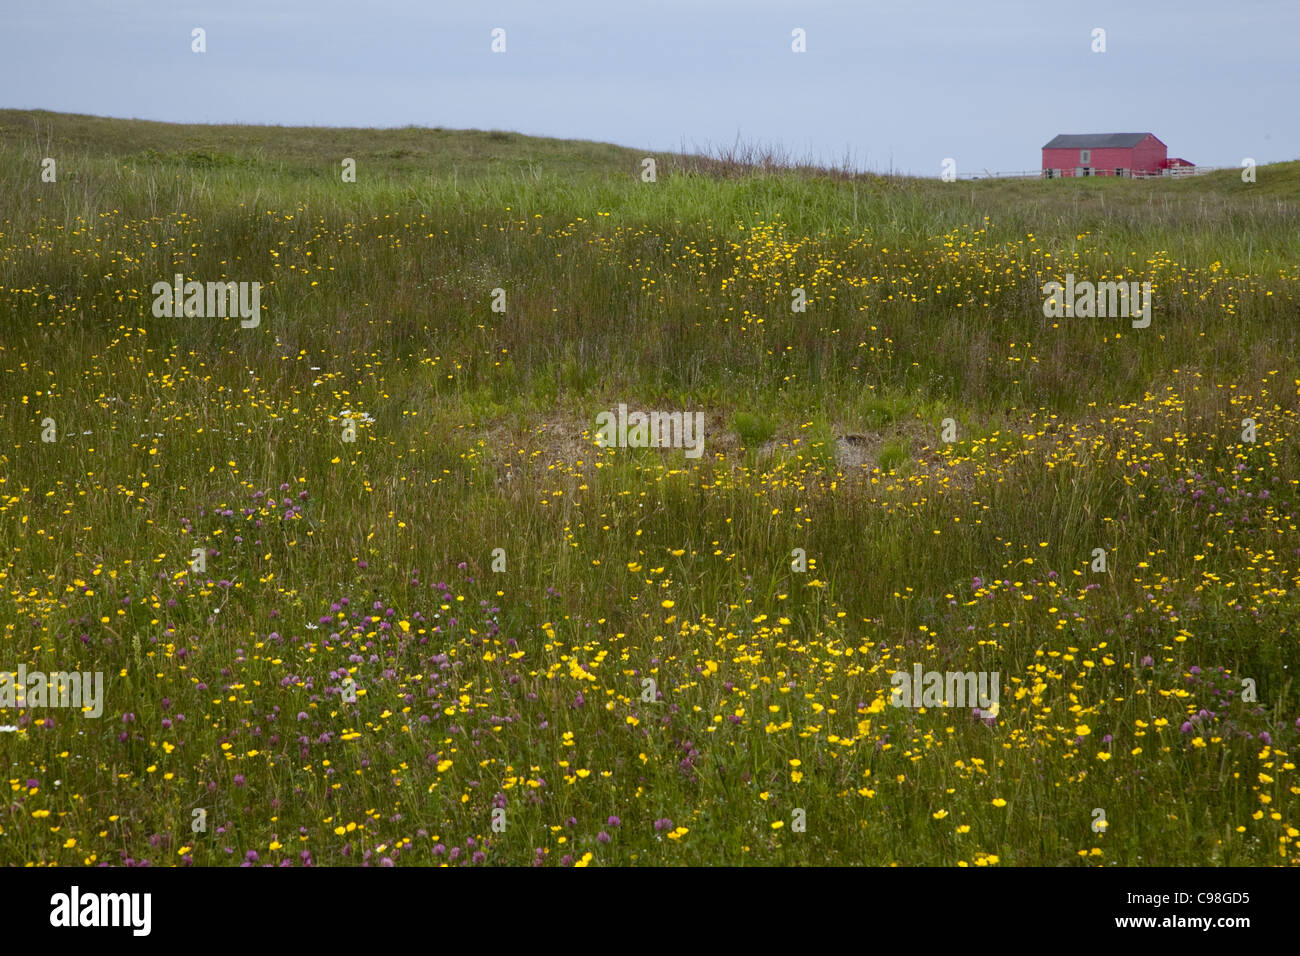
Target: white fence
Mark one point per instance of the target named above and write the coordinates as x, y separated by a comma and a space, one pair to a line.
1172, 171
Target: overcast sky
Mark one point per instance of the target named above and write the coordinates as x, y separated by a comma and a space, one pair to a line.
892, 83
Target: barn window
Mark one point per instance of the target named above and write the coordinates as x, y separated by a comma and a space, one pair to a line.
1085, 156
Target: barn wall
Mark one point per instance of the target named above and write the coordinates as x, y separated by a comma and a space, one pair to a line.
1109, 160
1062, 159
1103, 159
1150, 154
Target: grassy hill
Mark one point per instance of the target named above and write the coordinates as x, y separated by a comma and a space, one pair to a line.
392, 484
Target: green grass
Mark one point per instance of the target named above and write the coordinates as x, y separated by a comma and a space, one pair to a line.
522, 688
892, 454
754, 430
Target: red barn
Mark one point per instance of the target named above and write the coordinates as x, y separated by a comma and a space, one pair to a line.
1105, 154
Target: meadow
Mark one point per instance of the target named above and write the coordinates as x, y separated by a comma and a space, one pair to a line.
366, 589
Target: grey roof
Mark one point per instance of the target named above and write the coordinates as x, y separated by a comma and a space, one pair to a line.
1095, 140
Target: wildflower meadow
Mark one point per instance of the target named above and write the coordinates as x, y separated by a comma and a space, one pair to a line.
453, 497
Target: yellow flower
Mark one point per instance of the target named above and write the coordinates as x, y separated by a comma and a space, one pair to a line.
999, 802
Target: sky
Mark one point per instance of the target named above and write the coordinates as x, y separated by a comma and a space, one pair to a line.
887, 84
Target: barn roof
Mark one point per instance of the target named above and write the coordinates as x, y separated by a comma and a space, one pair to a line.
1095, 140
